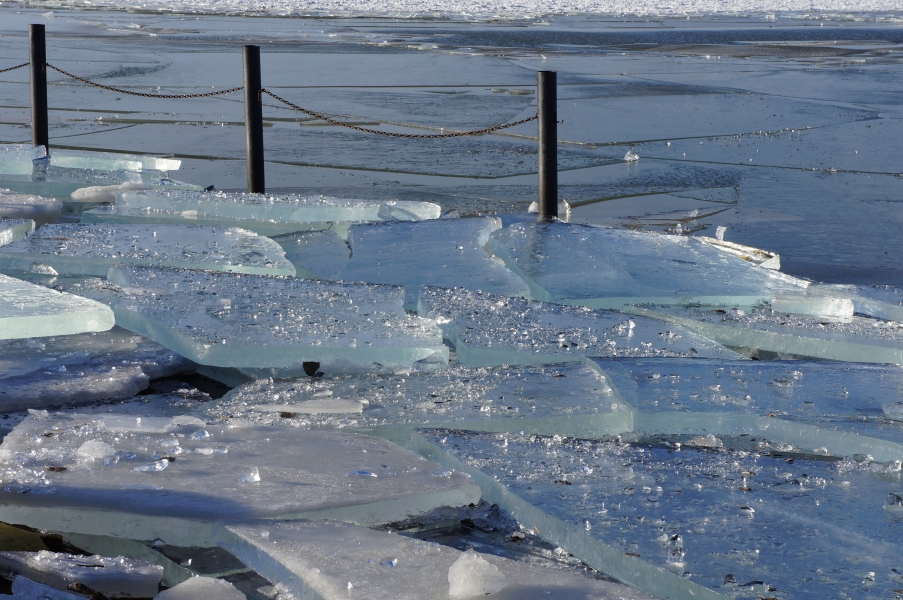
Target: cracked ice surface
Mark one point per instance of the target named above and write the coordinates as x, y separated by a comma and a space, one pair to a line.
79, 249
336, 560
600, 267
251, 321
149, 477
32, 311
445, 252
486, 329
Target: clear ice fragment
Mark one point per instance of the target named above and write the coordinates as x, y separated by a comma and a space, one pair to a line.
471, 575
202, 588
816, 306
756, 256
105, 194
13, 230
108, 161
39, 209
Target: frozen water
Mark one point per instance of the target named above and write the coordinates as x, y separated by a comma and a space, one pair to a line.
16, 159
13, 230
166, 482
734, 520
266, 214
118, 577
445, 252
64, 385
103, 194
316, 254
631, 156
26, 589
39, 209
335, 560
107, 161
762, 258
31, 311
882, 302
92, 249
471, 575
202, 588
486, 329
817, 306
269, 322
609, 268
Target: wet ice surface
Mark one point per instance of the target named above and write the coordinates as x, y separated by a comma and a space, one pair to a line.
268, 322
13, 230
728, 519
39, 209
77, 249
608, 268
446, 252
487, 329
32, 311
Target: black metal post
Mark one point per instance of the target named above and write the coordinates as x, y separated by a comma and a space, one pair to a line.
38, 56
547, 110
253, 119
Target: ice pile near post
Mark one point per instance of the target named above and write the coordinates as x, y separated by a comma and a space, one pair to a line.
486, 329
261, 213
78, 249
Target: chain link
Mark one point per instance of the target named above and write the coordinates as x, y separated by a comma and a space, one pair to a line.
434, 136
14, 68
143, 94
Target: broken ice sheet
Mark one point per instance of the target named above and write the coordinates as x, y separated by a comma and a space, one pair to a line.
170, 478
569, 399
109, 161
32, 311
335, 560
879, 301
118, 577
444, 252
13, 230
202, 588
601, 267
268, 214
486, 329
321, 254
26, 589
17, 159
259, 322
80, 249
39, 209
738, 522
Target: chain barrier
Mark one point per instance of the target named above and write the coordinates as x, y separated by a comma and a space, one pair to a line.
14, 68
143, 94
323, 117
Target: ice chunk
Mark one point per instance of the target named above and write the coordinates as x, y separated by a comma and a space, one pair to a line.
13, 230
118, 577
105, 194
471, 575
26, 589
269, 322
108, 161
92, 249
39, 209
601, 267
564, 210
631, 156
329, 559
30, 311
17, 159
316, 254
486, 329
816, 306
762, 258
444, 252
202, 588
880, 301
162, 487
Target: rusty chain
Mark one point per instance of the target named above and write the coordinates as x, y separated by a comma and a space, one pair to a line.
14, 68
323, 117
143, 94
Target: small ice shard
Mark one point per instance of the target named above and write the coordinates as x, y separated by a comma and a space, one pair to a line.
631, 156
39, 209
42, 269
117, 577
32, 311
756, 256
816, 306
13, 230
202, 588
894, 502
104, 194
95, 449
719, 233
200, 434
705, 441
252, 475
154, 467
26, 589
80, 249
471, 576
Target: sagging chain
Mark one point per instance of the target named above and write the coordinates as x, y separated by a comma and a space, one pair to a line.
323, 117
143, 94
14, 68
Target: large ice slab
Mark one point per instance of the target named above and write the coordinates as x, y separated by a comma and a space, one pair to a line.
879, 301
444, 252
487, 329
266, 214
80, 249
250, 321
601, 267
570, 399
332, 560
39, 209
28, 310
743, 523
117, 577
109, 161
316, 254
172, 478
13, 230
17, 159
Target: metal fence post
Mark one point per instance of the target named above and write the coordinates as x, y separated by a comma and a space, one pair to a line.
547, 110
253, 119
38, 56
